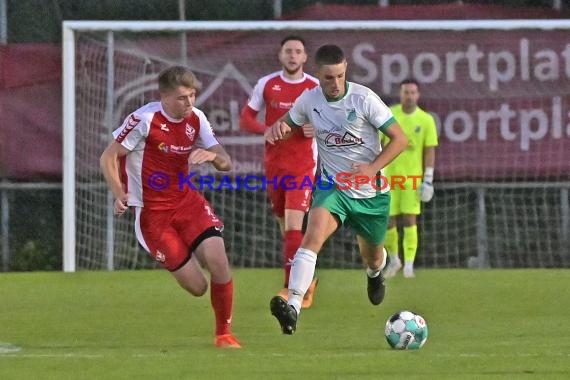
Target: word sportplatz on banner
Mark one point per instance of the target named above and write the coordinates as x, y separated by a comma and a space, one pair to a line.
342, 181
496, 63
549, 120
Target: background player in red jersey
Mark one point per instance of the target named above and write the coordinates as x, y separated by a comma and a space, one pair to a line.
277, 92
173, 221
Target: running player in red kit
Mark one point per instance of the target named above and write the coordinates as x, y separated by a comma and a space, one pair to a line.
276, 93
179, 228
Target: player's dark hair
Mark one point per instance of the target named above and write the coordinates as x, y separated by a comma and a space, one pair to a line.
177, 76
410, 81
329, 55
292, 37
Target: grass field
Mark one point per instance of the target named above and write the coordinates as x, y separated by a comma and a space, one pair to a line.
511, 324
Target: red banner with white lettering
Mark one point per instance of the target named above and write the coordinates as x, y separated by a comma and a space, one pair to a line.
501, 98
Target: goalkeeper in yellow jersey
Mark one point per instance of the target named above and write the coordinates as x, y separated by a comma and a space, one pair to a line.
417, 160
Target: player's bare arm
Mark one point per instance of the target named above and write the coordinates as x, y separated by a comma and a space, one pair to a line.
429, 156
398, 142
278, 131
216, 154
109, 163
363, 169
388, 153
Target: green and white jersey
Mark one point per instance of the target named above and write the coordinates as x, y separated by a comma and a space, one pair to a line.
346, 131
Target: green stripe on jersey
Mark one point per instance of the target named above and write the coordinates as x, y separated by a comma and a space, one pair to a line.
291, 123
388, 123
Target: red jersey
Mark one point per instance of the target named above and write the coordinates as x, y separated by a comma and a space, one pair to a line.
157, 166
296, 155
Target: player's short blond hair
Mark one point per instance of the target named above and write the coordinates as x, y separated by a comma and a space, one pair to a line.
177, 76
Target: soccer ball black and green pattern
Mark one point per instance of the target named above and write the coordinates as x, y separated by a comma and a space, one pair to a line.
406, 330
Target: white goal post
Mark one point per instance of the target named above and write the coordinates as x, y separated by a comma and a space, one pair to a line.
501, 85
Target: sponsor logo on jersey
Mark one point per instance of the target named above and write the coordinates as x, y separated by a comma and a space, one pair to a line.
276, 87
130, 123
190, 132
180, 149
336, 139
281, 105
351, 115
163, 147
164, 127
317, 111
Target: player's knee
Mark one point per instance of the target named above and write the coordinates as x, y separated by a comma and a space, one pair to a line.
201, 290
196, 286
197, 290
219, 268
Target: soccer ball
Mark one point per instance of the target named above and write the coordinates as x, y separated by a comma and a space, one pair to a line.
406, 331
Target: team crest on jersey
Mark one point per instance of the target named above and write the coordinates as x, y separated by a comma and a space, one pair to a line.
190, 131
351, 115
336, 139
160, 256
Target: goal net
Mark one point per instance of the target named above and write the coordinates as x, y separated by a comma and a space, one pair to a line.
500, 92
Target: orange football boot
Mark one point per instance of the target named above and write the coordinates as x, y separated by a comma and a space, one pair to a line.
227, 341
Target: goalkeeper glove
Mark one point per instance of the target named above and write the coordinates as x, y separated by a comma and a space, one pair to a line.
426, 188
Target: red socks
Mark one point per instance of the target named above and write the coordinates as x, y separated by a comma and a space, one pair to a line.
222, 297
292, 242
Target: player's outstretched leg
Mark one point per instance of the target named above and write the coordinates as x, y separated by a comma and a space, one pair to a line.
285, 314
307, 298
375, 257
221, 296
211, 251
376, 289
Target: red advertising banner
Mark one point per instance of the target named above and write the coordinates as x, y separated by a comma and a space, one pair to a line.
30, 111
501, 98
